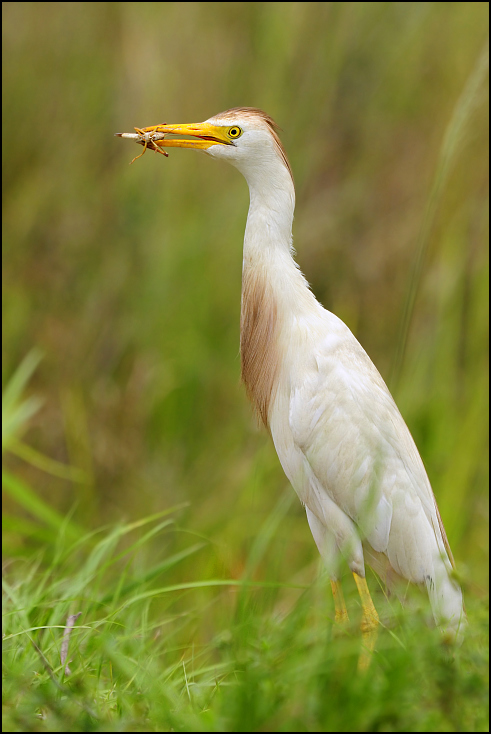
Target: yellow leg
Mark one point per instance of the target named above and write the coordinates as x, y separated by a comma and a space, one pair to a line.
341, 613
369, 623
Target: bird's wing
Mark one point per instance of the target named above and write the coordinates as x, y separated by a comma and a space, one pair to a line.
360, 451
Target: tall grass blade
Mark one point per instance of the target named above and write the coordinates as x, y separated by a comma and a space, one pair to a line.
472, 95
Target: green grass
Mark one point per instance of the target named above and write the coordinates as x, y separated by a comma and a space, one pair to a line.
268, 660
147, 653
133, 472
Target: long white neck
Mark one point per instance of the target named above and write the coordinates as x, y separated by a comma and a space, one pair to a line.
268, 249
269, 222
273, 288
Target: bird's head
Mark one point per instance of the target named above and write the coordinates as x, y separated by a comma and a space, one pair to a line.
246, 137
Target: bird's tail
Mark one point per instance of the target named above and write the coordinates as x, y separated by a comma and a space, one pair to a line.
446, 600
445, 593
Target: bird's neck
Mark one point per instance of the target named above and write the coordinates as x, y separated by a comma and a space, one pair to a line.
273, 289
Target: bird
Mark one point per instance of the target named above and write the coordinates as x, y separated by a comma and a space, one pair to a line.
339, 436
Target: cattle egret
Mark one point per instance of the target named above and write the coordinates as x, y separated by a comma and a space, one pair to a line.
339, 436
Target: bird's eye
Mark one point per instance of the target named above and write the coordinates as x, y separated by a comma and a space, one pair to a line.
235, 132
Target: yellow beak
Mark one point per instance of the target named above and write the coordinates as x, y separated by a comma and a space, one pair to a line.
206, 135
154, 138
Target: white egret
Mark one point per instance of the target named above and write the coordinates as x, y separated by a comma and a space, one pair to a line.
339, 436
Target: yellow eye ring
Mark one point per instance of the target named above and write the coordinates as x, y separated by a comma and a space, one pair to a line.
235, 132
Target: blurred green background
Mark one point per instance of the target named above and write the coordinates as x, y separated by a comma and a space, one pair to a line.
128, 278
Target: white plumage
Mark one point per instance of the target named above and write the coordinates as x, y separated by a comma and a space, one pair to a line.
339, 436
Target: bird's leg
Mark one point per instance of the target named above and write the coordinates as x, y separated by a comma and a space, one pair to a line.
369, 623
341, 613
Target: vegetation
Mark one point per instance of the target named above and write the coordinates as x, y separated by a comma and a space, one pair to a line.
137, 488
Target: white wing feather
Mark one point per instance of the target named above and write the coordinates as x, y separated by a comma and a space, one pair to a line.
353, 462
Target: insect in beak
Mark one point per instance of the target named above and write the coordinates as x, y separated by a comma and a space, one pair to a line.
147, 139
